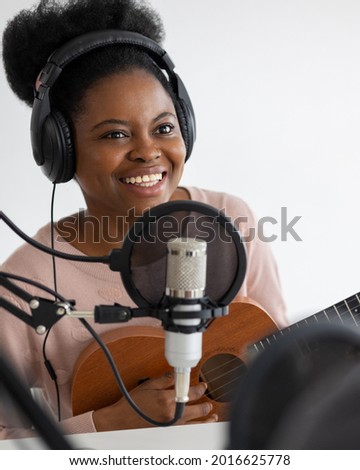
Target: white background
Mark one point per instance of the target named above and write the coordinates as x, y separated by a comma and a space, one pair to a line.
276, 89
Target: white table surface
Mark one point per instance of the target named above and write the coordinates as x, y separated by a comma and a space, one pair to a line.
213, 436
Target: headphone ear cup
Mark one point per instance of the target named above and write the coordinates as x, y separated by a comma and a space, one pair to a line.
57, 149
186, 122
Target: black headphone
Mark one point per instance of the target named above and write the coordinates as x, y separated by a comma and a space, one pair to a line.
51, 137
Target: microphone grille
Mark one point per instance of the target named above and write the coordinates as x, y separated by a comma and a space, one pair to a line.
186, 268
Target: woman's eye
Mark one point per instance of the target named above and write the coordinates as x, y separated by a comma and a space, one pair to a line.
114, 135
165, 129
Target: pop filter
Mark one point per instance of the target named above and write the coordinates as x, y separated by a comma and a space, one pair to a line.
142, 260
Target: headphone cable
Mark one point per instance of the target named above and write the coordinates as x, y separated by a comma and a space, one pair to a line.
47, 363
52, 223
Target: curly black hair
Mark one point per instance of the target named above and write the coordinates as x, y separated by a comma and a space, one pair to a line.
33, 34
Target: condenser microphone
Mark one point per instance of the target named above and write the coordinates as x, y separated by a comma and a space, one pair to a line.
185, 288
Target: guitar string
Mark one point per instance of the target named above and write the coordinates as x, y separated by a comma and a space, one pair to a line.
228, 371
228, 391
226, 384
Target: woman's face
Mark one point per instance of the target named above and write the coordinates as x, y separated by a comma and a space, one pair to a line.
129, 149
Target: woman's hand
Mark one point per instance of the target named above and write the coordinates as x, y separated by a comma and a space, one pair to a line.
156, 399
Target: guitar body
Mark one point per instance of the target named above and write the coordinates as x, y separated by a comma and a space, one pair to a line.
139, 354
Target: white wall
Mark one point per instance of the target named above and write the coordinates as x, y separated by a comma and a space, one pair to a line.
276, 89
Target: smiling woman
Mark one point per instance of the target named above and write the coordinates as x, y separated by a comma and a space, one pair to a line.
130, 153
110, 113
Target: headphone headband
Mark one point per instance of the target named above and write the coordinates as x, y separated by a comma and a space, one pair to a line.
50, 135
95, 39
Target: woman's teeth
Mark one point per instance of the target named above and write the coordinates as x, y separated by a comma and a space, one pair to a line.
146, 180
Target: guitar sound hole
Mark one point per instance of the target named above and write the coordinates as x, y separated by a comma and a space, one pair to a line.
222, 373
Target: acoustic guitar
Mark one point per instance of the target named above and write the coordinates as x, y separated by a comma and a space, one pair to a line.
228, 345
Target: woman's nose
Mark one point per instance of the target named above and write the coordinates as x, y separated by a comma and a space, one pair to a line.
144, 150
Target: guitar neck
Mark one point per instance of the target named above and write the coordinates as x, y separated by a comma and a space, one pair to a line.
346, 312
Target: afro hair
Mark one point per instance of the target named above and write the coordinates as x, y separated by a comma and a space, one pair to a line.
33, 34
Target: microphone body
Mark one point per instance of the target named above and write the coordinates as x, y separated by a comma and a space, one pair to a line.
185, 288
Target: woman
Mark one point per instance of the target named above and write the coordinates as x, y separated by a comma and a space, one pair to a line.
130, 144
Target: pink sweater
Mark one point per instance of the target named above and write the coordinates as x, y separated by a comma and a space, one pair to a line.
93, 284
